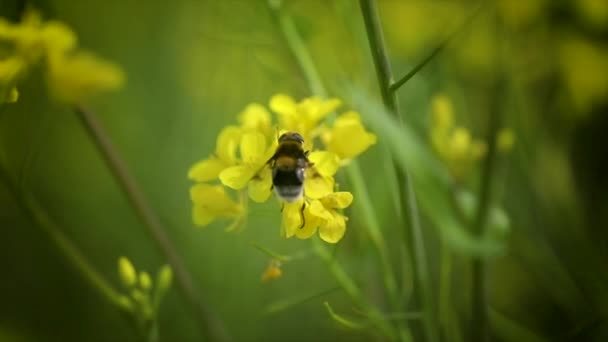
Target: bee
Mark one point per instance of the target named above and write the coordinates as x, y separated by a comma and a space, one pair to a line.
288, 165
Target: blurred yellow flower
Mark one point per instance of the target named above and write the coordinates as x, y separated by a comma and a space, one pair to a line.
348, 138
584, 68
210, 202
454, 145
273, 271
75, 77
505, 140
72, 74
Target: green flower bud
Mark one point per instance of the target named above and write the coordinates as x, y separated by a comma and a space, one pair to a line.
126, 272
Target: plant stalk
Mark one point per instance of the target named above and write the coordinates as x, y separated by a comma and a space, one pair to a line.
415, 239
211, 327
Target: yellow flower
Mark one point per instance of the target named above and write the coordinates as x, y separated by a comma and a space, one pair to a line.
10, 68
225, 156
319, 214
319, 179
304, 116
252, 168
57, 38
273, 271
255, 117
75, 76
210, 202
348, 138
144, 280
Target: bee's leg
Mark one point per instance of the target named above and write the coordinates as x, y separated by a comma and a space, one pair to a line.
282, 206
302, 214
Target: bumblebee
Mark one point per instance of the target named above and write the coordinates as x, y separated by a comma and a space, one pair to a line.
288, 165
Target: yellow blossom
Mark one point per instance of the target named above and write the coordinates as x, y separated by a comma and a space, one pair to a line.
348, 138
319, 179
256, 117
252, 168
211, 202
76, 76
10, 68
319, 214
225, 156
273, 271
304, 116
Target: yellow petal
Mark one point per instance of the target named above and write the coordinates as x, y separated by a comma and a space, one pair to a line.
316, 109
57, 37
74, 77
201, 216
255, 116
210, 202
253, 147
317, 185
337, 200
333, 230
237, 177
283, 104
311, 223
227, 142
325, 162
206, 170
317, 209
348, 138
260, 186
292, 217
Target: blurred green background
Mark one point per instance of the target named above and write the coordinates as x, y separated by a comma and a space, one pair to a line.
193, 65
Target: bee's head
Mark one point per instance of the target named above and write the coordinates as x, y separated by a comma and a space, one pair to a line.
291, 136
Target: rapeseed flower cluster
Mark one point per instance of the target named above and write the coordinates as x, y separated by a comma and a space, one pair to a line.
72, 74
455, 145
242, 152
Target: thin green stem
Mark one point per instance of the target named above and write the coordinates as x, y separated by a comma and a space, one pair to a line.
40, 218
479, 300
301, 54
298, 48
415, 240
366, 209
397, 84
211, 327
353, 291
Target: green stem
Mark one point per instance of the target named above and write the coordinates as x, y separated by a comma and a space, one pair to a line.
397, 84
479, 301
366, 210
298, 48
415, 240
211, 327
306, 63
40, 218
353, 291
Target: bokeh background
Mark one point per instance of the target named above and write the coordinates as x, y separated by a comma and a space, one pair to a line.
193, 65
